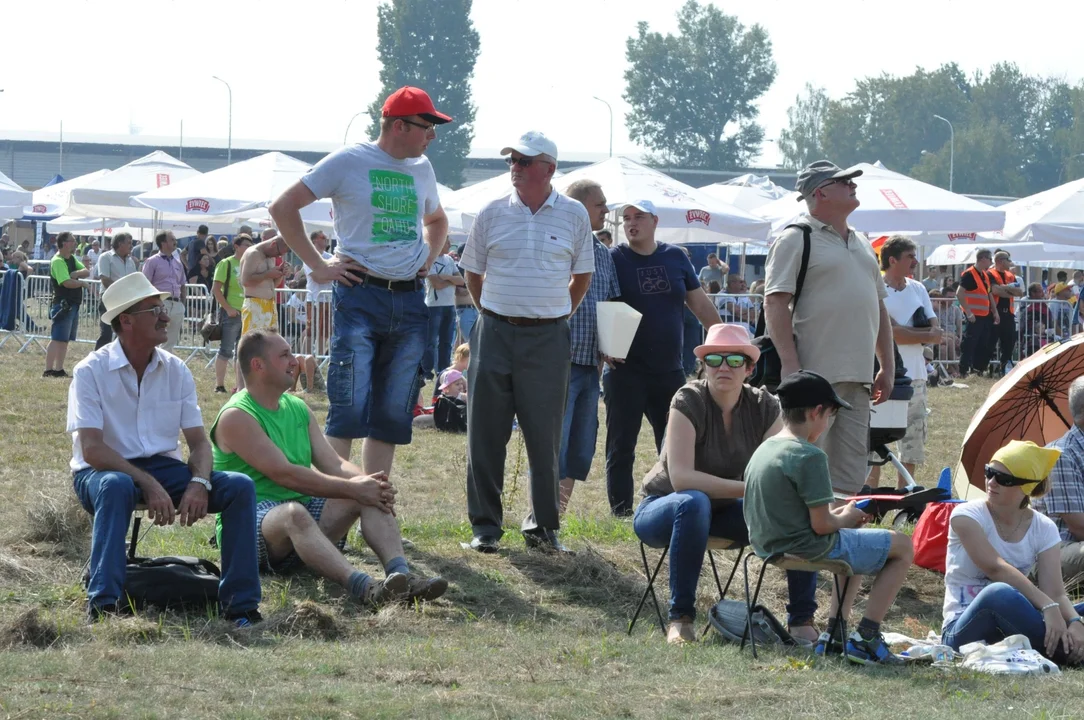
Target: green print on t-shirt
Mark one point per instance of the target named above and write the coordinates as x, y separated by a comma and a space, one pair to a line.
395, 207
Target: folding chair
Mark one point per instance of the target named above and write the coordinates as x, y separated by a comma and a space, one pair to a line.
714, 543
792, 562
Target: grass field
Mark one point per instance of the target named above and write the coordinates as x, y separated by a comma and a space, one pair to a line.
518, 634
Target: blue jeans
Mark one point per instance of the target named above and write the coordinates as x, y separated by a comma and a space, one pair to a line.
438, 353
693, 336
375, 370
65, 323
1000, 610
466, 316
684, 520
111, 498
579, 431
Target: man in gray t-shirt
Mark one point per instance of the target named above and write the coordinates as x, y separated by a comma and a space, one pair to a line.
391, 228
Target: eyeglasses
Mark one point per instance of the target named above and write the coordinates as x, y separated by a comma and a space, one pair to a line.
426, 128
521, 161
839, 181
733, 360
1005, 479
158, 310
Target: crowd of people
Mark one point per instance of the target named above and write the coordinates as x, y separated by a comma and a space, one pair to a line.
764, 467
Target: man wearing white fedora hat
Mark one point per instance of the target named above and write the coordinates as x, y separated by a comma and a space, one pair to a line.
126, 406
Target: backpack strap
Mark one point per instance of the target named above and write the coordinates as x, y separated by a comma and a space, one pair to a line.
807, 232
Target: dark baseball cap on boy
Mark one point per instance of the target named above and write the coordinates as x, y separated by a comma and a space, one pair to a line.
807, 389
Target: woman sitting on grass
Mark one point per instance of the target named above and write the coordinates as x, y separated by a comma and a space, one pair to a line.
695, 489
993, 545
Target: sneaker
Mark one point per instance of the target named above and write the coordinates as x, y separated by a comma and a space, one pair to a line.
246, 619
418, 410
870, 651
393, 587
828, 644
221, 389
60, 373
96, 613
49, 373
424, 588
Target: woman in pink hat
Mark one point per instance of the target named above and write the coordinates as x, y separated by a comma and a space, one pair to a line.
695, 489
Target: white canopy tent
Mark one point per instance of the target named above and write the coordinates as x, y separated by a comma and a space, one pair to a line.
1054, 216
12, 195
51, 201
1028, 253
110, 195
243, 189
746, 191
686, 215
108, 227
892, 202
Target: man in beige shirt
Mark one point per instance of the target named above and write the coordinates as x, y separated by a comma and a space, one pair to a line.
259, 274
840, 322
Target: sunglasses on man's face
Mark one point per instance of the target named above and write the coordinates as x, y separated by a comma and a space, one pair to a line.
1005, 479
521, 161
839, 181
732, 361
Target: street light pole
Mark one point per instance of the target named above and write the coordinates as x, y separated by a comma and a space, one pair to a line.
347, 132
952, 150
229, 136
611, 122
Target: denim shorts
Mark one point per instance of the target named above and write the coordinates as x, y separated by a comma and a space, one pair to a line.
315, 506
375, 370
231, 333
865, 550
65, 323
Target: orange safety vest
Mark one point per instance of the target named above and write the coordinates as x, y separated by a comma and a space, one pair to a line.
1004, 278
978, 300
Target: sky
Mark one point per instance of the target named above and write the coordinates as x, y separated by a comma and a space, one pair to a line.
300, 70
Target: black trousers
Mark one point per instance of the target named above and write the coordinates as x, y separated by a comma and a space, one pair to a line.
1006, 338
976, 347
105, 335
629, 396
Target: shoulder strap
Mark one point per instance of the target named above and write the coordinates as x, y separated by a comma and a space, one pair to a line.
807, 243
807, 232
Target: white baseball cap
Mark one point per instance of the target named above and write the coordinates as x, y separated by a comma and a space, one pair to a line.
641, 205
532, 143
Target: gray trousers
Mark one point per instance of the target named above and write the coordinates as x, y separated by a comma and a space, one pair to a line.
522, 373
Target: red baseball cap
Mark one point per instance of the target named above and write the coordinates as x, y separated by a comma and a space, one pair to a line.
408, 101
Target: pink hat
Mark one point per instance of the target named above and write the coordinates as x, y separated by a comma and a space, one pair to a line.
450, 377
728, 338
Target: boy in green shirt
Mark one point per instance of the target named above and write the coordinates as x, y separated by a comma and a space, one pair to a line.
788, 494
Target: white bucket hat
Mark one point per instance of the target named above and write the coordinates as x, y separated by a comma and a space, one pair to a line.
126, 292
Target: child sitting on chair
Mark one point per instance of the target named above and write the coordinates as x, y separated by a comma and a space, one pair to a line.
993, 545
788, 493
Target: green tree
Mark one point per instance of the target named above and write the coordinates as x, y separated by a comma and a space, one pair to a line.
693, 94
800, 142
988, 162
431, 45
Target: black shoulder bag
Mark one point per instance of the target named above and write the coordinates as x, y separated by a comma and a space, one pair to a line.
769, 368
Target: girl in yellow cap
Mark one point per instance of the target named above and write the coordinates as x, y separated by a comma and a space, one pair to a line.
993, 546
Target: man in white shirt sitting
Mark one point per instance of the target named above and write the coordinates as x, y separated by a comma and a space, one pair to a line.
126, 406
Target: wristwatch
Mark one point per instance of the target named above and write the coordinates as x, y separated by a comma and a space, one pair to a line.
1076, 619
202, 481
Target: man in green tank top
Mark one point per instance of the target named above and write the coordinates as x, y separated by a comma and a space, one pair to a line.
307, 497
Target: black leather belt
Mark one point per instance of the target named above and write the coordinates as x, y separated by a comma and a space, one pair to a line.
392, 285
522, 321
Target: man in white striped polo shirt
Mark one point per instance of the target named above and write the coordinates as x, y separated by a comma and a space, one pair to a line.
528, 262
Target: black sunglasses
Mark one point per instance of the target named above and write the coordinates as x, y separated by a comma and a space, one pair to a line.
839, 181
733, 360
426, 128
521, 161
1005, 479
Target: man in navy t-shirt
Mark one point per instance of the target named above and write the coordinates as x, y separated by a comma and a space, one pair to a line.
658, 280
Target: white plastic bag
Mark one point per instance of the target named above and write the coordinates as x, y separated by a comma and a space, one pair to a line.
1011, 656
